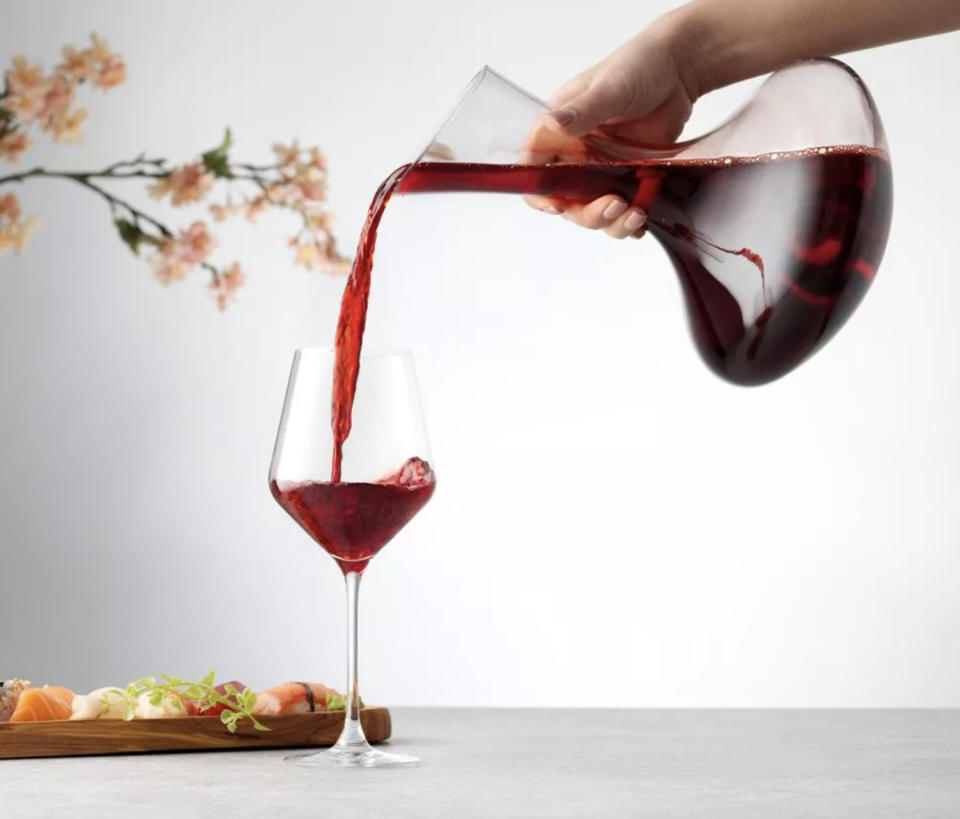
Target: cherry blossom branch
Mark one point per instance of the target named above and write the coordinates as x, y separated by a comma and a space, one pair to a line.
137, 161
82, 178
256, 168
295, 181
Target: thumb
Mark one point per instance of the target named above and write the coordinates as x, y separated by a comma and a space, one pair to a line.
607, 96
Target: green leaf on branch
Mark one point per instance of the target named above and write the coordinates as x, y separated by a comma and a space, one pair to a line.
217, 160
130, 234
218, 165
227, 142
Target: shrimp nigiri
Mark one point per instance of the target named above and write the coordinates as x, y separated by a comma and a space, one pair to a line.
293, 698
48, 703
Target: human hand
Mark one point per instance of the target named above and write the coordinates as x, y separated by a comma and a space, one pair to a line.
644, 92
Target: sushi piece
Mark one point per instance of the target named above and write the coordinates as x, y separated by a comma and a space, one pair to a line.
170, 706
293, 698
40, 704
219, 708
10, 691
104, 703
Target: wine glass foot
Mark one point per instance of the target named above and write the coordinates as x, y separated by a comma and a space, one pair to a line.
360, 757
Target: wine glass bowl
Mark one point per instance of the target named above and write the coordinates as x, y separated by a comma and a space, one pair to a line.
385, 479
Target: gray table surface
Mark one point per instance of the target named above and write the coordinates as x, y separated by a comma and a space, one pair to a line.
544, 763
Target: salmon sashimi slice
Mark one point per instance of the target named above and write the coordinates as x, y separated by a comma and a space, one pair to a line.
51, 702
293, 698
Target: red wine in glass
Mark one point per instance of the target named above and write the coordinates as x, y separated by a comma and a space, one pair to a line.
353, 521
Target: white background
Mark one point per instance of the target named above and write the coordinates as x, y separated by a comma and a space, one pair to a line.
613, 525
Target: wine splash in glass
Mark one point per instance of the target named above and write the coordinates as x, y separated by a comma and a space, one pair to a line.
383, 480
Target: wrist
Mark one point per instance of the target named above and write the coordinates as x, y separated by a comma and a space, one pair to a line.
701, 52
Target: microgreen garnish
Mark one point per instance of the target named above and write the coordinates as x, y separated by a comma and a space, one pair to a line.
338, 702
237, 704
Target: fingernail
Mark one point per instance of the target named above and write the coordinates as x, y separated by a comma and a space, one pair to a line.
634, 221
564, 115
614, 209
550, 209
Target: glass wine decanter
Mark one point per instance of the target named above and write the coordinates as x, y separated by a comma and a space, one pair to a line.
775, 222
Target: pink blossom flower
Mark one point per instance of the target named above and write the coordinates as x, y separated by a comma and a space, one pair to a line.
176, 257
233, 276
317, 160
17, 234
167, 266
318, 253
70, 128
189, 183
197, 242
306, 254
303, 181
111, 70
14, 231
23, 76
286, 154
312, 183
13, 144
26, 88
95, 64
9, 207
59, 96
309, 182
111, 73
318, 222
25, 106
221, 213
78, 65
226, 284
283, 194
256, 206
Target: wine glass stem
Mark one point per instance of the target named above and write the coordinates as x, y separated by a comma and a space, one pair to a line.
352, 734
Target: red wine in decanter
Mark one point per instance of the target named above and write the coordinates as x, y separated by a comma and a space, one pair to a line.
774, 252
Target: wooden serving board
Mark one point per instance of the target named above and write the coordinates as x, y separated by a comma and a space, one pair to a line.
20, 740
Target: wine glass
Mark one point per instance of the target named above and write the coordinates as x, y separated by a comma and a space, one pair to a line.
386, 479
